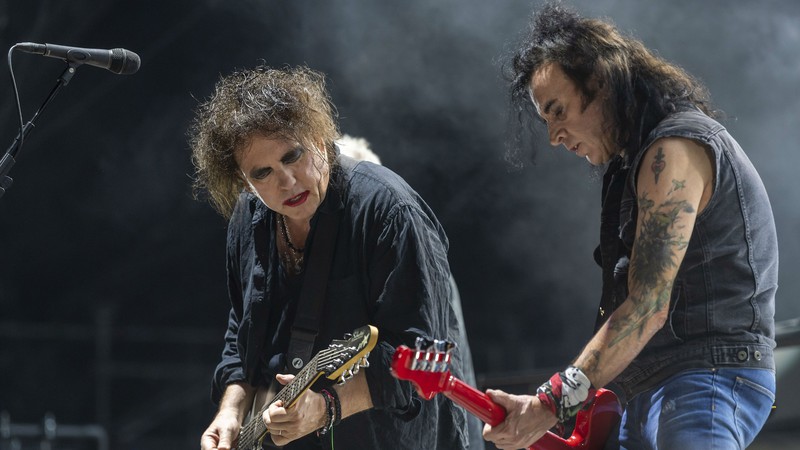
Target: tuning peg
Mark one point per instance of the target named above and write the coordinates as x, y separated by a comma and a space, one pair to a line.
364, 361
443, 345
422, 343
355, 369
346, 376
442, 362
421, 362
348, 336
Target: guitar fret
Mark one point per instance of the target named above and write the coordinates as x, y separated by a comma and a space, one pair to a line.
326, 362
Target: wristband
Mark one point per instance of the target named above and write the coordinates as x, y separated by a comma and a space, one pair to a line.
329, 413
566, 393
337, 405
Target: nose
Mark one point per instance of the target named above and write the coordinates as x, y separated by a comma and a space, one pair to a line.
556, 135
285, 179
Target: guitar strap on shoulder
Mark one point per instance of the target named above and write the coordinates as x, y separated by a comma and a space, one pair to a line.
312, 295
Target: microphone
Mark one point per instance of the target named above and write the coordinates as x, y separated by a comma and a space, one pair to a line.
117, 60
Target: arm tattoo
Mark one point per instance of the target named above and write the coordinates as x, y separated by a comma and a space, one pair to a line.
592, 362
658, 163
659, 237
677, 186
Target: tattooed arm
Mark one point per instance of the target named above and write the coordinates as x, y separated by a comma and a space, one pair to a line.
674, 184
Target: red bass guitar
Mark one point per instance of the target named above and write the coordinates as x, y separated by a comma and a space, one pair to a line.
427, 368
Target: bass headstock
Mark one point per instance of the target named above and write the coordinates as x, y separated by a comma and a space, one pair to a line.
427, 366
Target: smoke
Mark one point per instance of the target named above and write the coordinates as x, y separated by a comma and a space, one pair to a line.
421, 82
101, 215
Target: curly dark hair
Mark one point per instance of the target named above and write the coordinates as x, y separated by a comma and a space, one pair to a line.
289, 103
642, 88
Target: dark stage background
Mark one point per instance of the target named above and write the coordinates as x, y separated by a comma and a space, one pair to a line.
112, 297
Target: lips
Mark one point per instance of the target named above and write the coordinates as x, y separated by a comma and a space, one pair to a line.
297, 200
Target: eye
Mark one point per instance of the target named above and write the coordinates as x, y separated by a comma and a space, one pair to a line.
293, 155
260, 174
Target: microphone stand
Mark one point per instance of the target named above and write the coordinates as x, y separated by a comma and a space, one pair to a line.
8, 160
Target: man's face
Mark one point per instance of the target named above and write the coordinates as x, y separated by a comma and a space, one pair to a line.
290, 179
560, 104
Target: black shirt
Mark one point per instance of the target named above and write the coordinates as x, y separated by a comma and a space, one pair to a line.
389, 270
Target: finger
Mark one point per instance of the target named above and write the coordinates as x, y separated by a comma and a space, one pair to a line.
279, 437
276, 408
207, 443
275, 413
501, 398
267, 417
495, 394
225, 440
284, 379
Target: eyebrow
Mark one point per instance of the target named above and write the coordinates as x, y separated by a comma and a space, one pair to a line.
547, 107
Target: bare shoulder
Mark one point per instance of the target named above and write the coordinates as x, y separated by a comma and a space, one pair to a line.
677, 169
676, 158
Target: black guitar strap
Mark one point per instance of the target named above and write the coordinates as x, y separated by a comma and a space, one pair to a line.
312, 294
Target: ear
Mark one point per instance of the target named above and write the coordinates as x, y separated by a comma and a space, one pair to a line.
323, 152
320, 144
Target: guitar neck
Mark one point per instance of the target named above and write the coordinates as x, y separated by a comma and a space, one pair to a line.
340, 361
254, 431
482, 406
474, 401
426, 369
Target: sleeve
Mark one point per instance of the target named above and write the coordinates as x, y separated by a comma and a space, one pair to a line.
230, 368
410, 285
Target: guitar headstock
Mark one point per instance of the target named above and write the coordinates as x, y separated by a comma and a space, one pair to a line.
343, 358
427, 366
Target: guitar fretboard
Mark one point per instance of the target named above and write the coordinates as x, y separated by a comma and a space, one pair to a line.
254, 431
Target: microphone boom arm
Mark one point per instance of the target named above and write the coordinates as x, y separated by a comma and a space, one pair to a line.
8, 160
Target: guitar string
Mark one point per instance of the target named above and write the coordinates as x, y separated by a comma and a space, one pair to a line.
325, 356
254, 427
250, 429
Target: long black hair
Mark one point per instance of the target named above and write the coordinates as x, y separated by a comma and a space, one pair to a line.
641, 87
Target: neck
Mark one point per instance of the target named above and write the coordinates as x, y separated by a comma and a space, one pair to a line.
293, 233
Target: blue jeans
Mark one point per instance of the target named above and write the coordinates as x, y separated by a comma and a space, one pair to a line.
706, 409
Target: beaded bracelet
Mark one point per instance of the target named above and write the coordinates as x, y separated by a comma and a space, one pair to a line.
566, 393
337, 405
329, 413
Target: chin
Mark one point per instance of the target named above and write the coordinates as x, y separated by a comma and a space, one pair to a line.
591, 161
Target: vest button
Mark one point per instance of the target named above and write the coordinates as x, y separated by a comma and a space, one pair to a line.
742, 355
757, 355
